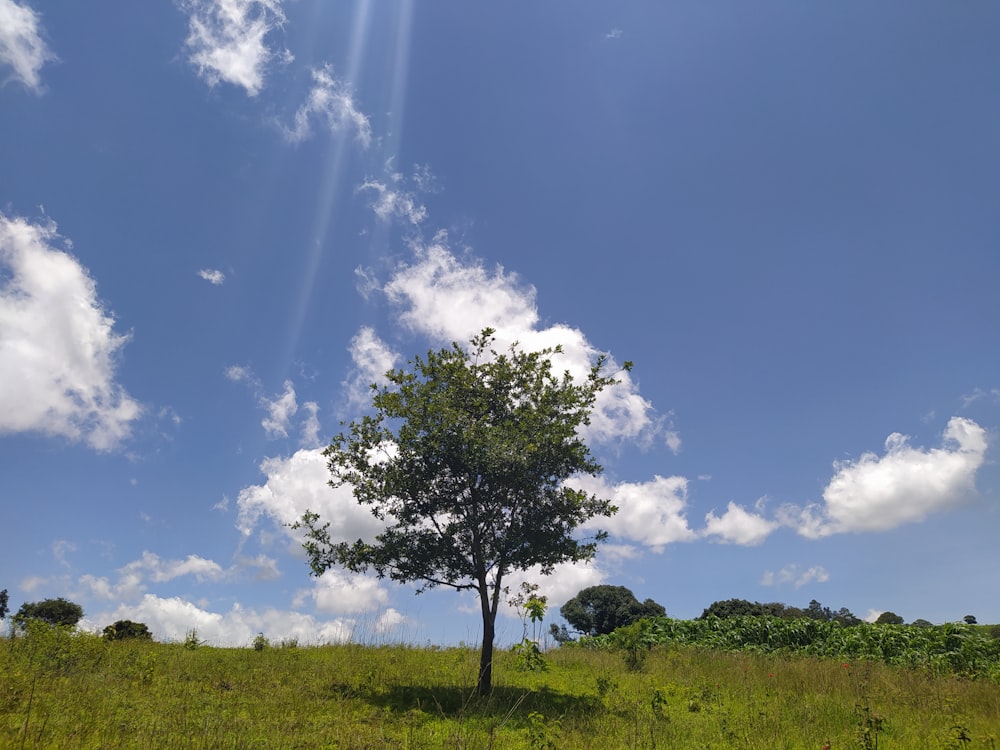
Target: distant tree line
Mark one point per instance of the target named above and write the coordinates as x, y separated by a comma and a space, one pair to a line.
814, 611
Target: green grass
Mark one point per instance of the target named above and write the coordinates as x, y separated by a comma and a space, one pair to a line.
77, 691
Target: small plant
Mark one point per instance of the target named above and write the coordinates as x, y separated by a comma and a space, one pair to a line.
191, 641
260, 642
634, 642
542, 734
531, 606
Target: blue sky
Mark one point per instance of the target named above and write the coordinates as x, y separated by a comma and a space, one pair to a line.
221, 219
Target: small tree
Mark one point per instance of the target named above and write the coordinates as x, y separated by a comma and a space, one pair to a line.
598, 610
466, 460
125, 629
4, 608
970, 620
52, 611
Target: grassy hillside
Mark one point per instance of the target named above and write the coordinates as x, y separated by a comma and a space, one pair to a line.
61, 690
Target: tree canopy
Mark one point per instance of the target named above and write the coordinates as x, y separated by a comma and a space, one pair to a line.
465, 459
125, 629
4, 604
598, 610
53, 611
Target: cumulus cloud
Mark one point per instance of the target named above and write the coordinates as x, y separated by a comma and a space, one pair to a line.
372, 359
58, 347
170, 619
133, 577
739, 526
339, 592
904, 485
212, 276
448, 299
299, 483
649, 513
227, 40
22, 47
331, 104
792, 574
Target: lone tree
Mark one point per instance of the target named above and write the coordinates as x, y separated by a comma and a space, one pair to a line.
52, 611
127, 629
4, 604
465, 461
598, 610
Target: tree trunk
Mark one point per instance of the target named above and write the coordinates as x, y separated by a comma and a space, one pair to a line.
485, 684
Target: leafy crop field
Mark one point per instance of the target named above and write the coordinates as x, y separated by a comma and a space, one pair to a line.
64, 690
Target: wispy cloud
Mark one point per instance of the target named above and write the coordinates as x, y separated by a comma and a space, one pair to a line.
58, 346
372, 359
212, 276
792, 574
280, 411
227, 40
614, 34
331, 104
22, 47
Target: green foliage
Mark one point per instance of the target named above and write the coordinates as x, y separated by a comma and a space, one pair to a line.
744, 608
465, 460
969, 619
4, 604
598, 610
52, 611
260, 642
529, 605
61, 688
191, 640
124, 629
889, 618
950, 648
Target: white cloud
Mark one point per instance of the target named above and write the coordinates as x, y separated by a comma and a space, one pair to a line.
650, 513
792, 574
739, 526
21, 44
160, 570
905, 485
239, 374
227, 40
391, 203
449, 299
565, 582
992, 395
297, 484
340, 592
280, 412
57, 344
372, 358
170, 619
310, 425
673, 440
331, 102
614, 34
212, 276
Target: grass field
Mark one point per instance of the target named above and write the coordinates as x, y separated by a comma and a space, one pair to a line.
62, 690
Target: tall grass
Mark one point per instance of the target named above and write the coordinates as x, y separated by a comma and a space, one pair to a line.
64, 690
